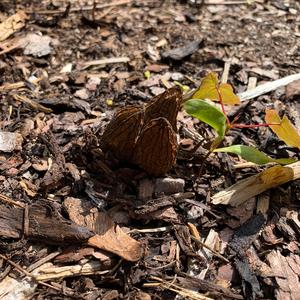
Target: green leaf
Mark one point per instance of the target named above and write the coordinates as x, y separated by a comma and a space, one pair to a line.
253, 155
207, 113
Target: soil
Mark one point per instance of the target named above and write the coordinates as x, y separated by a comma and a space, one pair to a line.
75, 221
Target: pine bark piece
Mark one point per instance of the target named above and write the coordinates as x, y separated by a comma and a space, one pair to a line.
55, 176
286, 271
251, 287
254, 185
45, 225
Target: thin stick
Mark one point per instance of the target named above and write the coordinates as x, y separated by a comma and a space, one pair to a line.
17, 266
210, 249
10, 201
43, 261
79, 9
112, 60
212, 2
31, 275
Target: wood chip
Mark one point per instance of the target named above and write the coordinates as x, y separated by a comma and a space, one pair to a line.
10, 141
287, 272
12, 24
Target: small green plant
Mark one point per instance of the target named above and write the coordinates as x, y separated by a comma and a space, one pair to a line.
201, 107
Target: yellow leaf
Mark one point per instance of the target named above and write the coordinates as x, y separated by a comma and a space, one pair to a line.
228, 96
285, 130
209, 87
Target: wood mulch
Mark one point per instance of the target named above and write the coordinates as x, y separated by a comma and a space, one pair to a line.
77, 223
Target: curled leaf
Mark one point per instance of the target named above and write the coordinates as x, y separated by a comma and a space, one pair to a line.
207, 113
253, 155
209, 87
285, 130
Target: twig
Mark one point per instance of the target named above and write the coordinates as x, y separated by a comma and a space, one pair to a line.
150, 230
25, 272
32, 103
245, 165
112, 60
43, 261
19, 268
212, 2
10, 201
186, 293
90, 268
79, 9
210, 249
12, 86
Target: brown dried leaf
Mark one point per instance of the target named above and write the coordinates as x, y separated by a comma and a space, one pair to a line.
108, 237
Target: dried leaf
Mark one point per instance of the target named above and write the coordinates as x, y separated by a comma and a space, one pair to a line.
109, 236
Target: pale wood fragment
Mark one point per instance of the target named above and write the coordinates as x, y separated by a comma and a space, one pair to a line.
12, 24
263, 202
49, 272
254, 185
225, 74
15, 288
268, 87
33, 104
81, 8
99, 62
251, 83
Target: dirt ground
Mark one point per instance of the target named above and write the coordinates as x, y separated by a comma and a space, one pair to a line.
75, 221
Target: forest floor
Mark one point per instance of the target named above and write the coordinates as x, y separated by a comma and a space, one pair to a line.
75, 222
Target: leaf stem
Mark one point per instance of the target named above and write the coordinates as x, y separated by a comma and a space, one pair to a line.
222, 106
